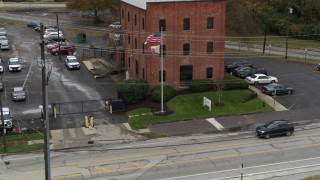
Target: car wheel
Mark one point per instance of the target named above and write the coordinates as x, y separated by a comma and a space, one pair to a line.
289, 92
267, 136
256, 83
273, 93
273, 81
56, 53
289, 133
70, 53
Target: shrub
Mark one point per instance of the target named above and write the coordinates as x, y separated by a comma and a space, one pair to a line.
134, 90
231, 83
201, 85
168, 93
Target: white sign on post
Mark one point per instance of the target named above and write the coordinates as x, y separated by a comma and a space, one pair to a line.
207, 102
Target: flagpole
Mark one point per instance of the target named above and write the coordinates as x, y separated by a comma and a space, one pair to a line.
161, 51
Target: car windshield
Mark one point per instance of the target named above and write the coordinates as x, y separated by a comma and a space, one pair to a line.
3, 38
253, 76
272, 85
72, 60
18, 90
6, 116
14, 62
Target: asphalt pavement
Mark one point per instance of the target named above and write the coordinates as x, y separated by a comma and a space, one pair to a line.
69, 137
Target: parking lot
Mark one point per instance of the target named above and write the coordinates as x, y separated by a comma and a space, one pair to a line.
304, 78
65, 87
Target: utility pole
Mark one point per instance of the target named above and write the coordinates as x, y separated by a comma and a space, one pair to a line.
288, 21
59, 41
45, 110
161, 51
3, 127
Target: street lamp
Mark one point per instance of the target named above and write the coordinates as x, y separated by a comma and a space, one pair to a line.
290, 10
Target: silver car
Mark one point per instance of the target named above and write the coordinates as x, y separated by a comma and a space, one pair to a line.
3, 39
18, 94
3, 32
4, 46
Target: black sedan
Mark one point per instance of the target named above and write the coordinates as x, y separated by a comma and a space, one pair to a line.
275, 89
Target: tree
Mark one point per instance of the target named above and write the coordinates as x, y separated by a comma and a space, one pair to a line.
94, 6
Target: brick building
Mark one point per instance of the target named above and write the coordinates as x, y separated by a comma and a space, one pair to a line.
192, 36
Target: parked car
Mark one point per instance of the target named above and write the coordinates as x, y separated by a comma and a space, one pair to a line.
259, 70
54, 39
250, 71
4, 39
275, 128
3, 32
7, 116
54, 45
1, 66
260, 79
115, 25
318, 67
275, 89
45, 27
4, 46
14, 64
51, 34
1, 84
18, 94
67, 50
236, 64
240, 71
33, 24
72, 62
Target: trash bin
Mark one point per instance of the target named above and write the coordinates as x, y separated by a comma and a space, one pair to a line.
81, 37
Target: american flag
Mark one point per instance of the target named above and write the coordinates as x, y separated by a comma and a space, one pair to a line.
154, 38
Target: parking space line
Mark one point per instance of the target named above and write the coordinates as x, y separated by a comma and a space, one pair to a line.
215, 123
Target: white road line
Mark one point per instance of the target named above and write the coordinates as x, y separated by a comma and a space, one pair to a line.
251, 167
215, 123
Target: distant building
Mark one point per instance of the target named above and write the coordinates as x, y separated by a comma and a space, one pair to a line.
193, 40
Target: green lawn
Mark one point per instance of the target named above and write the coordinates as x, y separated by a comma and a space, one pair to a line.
279, 41
188, 107
19, 143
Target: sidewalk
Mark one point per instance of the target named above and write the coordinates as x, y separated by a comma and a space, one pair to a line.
85, 137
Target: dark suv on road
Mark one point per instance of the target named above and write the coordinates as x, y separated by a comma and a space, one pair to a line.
275, 128
230, 67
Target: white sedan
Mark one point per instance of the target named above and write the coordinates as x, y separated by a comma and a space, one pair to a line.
260, 79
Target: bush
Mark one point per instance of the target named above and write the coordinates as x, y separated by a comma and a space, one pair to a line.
201, 85
168, 93
134, 90
231, 83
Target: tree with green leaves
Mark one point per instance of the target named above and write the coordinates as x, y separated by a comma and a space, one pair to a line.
94, 6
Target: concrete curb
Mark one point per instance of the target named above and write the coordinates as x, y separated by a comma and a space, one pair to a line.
268, 100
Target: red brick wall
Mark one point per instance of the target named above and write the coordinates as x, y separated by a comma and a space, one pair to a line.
174, 38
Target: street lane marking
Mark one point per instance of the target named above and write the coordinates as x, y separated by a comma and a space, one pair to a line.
215, 123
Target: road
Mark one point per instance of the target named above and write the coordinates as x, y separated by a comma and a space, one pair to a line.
192, 157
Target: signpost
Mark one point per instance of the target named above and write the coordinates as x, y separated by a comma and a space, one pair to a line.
207, 102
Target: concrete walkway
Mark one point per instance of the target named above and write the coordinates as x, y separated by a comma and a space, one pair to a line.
268, 100
98, 135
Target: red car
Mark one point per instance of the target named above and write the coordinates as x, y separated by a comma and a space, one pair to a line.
67, 50
56, 44
62, 44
